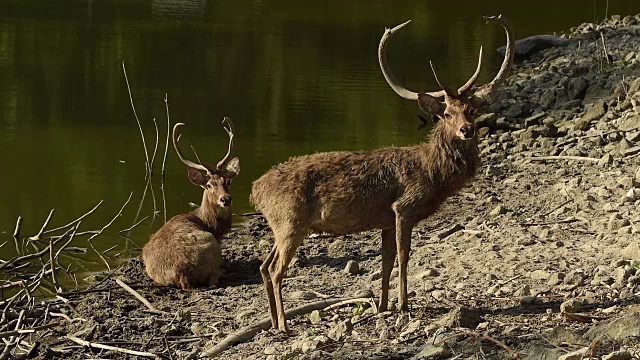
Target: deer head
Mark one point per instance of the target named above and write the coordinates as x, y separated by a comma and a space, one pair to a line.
214, 181
455, 107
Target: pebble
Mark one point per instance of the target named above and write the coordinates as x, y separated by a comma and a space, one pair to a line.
353, 267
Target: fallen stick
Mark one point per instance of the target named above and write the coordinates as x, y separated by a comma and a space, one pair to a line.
561, 157
35, 255
144, 143
16, 232
248, 332
138, 296
349, 302
7, 334
166, 145
44, 226
111, 348
54, 280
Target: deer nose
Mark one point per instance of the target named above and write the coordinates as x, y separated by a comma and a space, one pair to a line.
468, 131
226, 200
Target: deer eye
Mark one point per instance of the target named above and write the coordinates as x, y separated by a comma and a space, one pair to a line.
472, 112
448, 117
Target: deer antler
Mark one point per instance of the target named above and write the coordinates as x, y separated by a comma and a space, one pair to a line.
386, 71
474, 77
229, 131
447, 89
484, 91
176, 145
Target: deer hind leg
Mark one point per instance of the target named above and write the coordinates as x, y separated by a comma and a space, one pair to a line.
403, 243
286, 245
388, 256
268, 286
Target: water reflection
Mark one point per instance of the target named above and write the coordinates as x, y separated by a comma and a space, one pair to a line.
296, 77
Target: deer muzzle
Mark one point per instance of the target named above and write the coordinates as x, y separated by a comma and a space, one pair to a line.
467, 131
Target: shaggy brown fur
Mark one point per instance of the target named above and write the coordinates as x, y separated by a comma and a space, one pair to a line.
186, 251
390, 189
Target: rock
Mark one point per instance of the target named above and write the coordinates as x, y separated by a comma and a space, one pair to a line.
524, 290
411, 328
518, 109
606, 160
571, 306
637, 176
632, 136
526, 240
427, 274
595, 112
634, 280
603, 280
534, 119
353, 267
431, 351
486, 120
616, 222
460, 317
539, 275
315, 317
555, 279
308, 345
621, 275
629, 151
303, 295
530, 300
628, 123
502, 124
625, 181
336, 248
341, 330
632, 195
498, 210
575, 355
574, 278
618, 355
626, 327
483, 131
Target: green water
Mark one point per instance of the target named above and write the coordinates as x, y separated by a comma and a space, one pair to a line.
295, 76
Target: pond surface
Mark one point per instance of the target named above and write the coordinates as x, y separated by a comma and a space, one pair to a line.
295, 76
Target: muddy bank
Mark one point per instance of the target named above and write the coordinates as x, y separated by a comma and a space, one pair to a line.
540, 254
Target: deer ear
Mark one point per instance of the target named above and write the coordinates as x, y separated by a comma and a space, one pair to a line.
430, 105
233, 168
197, 177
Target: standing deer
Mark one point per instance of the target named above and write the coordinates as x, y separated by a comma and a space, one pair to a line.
185, 251
390, 189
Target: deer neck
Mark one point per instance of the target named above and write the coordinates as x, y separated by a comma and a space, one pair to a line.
449, 159
214, 218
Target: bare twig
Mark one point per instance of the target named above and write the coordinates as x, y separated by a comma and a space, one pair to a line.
73, 234
138, 296
35, 255
155, 147
166, 146
249, 331
134, 225
7, 334
76, 220
106, 226
561, 157
367, 300
16, 232
6, 353
46, 223
110, 348
53, 268
144, 143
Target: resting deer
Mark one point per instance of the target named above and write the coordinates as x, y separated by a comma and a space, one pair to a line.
390, 189
185, 251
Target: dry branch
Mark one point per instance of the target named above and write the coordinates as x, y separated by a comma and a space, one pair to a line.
16, 232
7, 334
76, 220
46, 223
561, 157
111, 348
144, 143
248, 332
138, 296
166, 146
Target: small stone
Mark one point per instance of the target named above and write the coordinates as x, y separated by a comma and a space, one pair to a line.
315, 317
606, 160
524, 290
528, 300
498, 210
555, 279
616, 222
539, 275
576, 355
525, 240
618, 355
483, 131
353, 267
574, 278
621, 275
571, 306
603, 280
270, 350
634, 280
427, 274
341, 330
632, 195
431, 351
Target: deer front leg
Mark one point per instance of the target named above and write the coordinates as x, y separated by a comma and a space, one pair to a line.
388, 256
403, 243
268, 286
